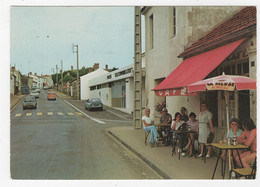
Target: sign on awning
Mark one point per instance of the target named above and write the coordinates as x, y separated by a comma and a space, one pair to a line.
174, 92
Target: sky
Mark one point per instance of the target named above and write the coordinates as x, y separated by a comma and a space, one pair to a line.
42, 37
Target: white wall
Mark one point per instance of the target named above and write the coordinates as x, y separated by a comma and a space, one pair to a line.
104, 94
84, 82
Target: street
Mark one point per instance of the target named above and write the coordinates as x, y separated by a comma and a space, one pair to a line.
56, 141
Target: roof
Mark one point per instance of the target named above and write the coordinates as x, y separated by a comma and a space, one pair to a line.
241, 21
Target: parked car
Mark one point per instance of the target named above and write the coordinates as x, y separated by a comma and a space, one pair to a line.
38, 90
93, 103
51, 96
29, 102
34, 93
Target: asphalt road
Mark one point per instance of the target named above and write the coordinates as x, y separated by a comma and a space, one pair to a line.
56, 141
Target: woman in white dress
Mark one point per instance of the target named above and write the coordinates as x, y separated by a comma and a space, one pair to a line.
204, 128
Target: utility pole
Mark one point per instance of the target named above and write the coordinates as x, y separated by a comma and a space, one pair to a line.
77, 83
137, 122
57, 76
61, 76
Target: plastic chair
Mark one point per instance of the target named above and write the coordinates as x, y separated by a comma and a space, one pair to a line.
248, 173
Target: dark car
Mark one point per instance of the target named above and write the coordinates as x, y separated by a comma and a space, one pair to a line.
29, 102
93, 103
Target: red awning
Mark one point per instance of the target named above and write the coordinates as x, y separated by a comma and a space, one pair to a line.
194, 69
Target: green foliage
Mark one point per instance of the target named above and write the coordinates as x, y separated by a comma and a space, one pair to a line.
68, 78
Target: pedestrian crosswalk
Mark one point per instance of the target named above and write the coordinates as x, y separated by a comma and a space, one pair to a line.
29, 114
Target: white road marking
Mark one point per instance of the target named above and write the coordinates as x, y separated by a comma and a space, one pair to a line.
50, 113
18, 115
39, 113
94, 119
60, 113
79, 113
28, 114
70, 114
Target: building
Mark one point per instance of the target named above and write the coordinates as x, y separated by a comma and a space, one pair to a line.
115, 89
84, 82
15, 81
188, 44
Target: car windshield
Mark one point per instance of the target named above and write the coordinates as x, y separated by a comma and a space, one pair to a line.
95, 100
29, 99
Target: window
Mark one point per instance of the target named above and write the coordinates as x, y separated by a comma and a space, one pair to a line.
92, 87
151, 39
172, 22
123, 72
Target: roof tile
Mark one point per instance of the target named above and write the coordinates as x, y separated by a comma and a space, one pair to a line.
240, 21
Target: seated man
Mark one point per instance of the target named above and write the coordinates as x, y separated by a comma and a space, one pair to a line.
148, 125
166, 118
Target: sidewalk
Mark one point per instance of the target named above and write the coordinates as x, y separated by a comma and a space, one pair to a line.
161, 159
14, 100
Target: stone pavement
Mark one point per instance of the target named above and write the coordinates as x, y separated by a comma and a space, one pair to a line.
159, 158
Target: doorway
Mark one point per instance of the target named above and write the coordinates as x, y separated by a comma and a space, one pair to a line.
244, 104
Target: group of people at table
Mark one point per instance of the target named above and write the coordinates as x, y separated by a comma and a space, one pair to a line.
204, 129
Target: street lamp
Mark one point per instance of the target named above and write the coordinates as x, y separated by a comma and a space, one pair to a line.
77, 83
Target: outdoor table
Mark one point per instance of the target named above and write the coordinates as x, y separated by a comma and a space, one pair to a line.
180, 132
223, 147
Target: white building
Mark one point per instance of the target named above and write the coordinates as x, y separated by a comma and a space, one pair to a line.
84, 82
176, 35
115, 89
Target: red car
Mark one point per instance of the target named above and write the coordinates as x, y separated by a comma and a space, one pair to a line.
51, 96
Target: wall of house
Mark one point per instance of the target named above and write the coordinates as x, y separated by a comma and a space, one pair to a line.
199, 20
84, 82
104, 94
252, 73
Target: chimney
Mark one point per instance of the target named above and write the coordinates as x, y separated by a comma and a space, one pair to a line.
106, 67
96, 66
90, 69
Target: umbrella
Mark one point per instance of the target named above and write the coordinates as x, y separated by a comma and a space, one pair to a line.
226, 83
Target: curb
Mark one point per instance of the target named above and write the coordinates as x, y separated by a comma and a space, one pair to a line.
153, 166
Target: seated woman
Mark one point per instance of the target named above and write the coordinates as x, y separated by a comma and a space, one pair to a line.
234, 130
176, 123
192, 123
248, 138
